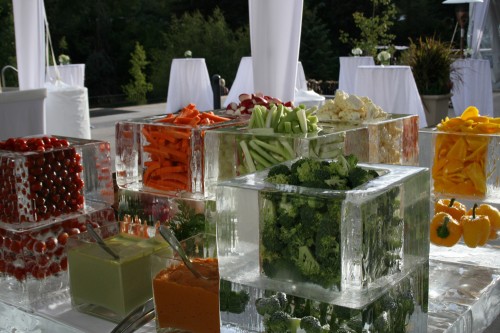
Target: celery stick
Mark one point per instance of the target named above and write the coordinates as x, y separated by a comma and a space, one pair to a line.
247, 157
296, 128
262, 152
311, 110
260, 159
261, 131
277, 116
270, 147
288, 127
289, 149
270, 114
312, 119
301, 116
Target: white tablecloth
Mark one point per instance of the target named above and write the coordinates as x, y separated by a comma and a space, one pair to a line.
243, 82
73, 74
391, 87
189, 83
348, 68
22, 113
472, 86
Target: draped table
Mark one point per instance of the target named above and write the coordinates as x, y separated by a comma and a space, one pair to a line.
472, 86
243, 82
393, 88
348, 68
73, 74
189, 83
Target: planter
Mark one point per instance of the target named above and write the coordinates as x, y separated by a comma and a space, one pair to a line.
436, 108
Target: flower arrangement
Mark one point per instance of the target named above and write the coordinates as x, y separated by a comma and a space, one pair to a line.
357, 51
188, 54
64, 59
384, 57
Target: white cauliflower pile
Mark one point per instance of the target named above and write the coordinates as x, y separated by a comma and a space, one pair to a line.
350, 108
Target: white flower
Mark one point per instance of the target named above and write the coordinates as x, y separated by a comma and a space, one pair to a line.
188, 54
64, 59
357, 51
468, 52
383, 56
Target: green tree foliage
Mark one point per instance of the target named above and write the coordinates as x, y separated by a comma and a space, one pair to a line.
316, 51
8, 48
374, 28
137, 89
209, 38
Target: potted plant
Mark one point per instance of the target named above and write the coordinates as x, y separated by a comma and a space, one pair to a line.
430, 61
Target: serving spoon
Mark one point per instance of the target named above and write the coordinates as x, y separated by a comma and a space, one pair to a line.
100, 241
169, 236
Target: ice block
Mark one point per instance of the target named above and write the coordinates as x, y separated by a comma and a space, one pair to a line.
34, 261
463, 165
402, 307
370, 234
155, 156
107, 287
39, 184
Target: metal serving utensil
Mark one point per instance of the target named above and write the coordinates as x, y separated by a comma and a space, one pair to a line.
174, 243
139, 317
100, 241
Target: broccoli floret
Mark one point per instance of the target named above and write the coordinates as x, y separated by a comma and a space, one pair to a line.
279, 179
282, 298
337, 183
358, 176
280, 169
278, 322
232, 301
306, 262
267, 305
352, 161
310, 324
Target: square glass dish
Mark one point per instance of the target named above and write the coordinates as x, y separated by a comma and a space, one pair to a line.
47, 177
338, 241
106, 287
159, 157
184, 302
463, 165
33, 261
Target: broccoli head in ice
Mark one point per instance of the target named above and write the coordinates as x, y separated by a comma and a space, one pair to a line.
310, 324
267, 305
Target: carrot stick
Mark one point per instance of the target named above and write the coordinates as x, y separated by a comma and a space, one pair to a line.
213, 117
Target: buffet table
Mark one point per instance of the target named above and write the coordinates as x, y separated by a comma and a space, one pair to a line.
393, 88
462, 298
73, 74
348, 68
189, 83
472, 86
243, 82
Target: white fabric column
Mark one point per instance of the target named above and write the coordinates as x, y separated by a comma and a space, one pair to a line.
275, 27
30, 43
477, 19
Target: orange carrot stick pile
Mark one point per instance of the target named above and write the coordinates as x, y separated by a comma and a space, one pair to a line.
169, 148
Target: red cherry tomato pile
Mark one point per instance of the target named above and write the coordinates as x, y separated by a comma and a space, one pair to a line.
41, 253
43, 182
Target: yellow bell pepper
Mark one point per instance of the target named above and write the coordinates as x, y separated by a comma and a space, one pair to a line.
445, 230
476, 228
494, 216
454, 208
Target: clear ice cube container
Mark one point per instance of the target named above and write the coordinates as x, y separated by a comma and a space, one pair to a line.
401, 307
38, 186
106, 287
390, 141
465, 166
154, 156
352, 239
33, 261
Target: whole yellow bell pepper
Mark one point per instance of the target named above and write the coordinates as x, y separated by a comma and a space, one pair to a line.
494, 216
451, 206
445, 230
476, 228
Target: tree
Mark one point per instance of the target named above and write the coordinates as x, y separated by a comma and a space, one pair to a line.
137, 89
374, 29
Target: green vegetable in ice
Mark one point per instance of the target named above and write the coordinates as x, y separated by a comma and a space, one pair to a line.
310, 324
267, 305
281, 322
232, 301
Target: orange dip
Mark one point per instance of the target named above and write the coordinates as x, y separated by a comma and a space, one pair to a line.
186, 302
